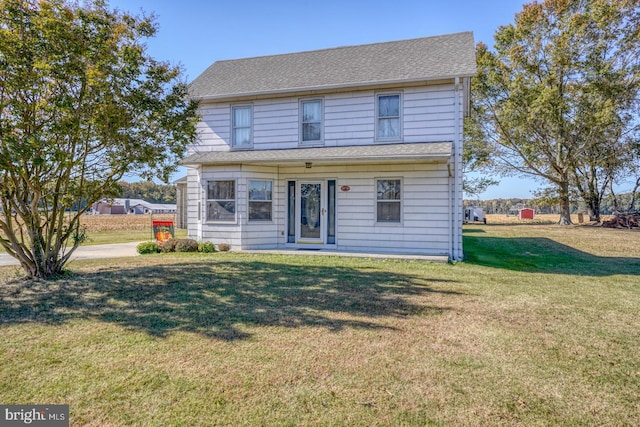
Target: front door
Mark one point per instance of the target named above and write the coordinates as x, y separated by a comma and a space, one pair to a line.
311, 212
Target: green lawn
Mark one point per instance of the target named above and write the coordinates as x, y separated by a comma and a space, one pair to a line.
539, 326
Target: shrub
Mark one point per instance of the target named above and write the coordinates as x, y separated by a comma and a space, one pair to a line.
148, 248
169, 245
206, 247
186, 245
224, 247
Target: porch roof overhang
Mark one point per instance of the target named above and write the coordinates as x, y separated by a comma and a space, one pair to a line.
378, 153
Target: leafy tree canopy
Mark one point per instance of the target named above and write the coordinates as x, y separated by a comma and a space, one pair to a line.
81, 104
558, 97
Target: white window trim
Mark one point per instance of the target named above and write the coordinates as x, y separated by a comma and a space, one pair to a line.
249, 200
207, 199
301, 123
232, 128
375, 201
377, 118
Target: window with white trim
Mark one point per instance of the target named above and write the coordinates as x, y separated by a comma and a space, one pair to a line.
311, 120
241, 126
388, 200
221, 201
388, 116
260, 200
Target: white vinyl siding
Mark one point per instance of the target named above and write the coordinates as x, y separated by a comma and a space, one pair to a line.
428, 114
425, 211
276, 124
430, 209
348, 118
213, 130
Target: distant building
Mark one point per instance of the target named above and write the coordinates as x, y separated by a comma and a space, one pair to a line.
526, 213
131, 207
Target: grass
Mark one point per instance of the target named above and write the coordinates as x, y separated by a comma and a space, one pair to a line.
124, 236
105, 229
538, 327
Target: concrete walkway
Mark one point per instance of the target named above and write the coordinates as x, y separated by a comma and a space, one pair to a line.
114, 250
373, 255
117, 250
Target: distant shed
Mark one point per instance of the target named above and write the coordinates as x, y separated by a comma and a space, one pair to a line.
526, 213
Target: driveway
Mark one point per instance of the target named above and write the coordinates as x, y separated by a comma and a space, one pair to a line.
114, 250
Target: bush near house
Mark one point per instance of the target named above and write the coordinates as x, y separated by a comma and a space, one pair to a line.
169, 245
148, 248
186, 245
206, 247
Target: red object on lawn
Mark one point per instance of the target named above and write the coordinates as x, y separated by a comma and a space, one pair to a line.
526, 213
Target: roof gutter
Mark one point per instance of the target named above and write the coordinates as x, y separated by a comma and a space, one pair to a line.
194, 161
327, 88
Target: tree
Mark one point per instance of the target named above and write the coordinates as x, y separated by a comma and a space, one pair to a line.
149, 191
81, 104
476, 156
555, 99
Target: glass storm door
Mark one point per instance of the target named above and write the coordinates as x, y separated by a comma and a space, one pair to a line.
311, 212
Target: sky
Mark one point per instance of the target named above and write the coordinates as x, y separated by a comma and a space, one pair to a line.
194, 34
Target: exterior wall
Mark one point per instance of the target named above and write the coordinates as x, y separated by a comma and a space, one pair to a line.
349, 119
242, 233
425, 215
424, 225
181, 205
432, 214
194, 201
456, 182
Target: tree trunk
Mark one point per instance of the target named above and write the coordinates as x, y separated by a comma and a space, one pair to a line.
634, 196
565, 204
593, 209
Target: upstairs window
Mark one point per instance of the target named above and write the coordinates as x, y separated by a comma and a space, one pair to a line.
221, 201
388, 116
388, 203
242, 118
311, 118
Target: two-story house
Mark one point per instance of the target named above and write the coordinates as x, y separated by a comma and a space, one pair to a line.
356, 148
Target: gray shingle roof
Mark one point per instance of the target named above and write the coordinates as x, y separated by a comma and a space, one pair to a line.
422, 59
430, 151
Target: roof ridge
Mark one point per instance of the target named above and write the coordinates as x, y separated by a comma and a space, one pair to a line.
325, 49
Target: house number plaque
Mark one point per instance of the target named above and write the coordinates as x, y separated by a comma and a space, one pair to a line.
345, 188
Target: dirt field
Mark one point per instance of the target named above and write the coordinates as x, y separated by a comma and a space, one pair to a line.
97, 223
539, 219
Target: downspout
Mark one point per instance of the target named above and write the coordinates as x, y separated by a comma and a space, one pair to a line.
456, 254
450, 210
